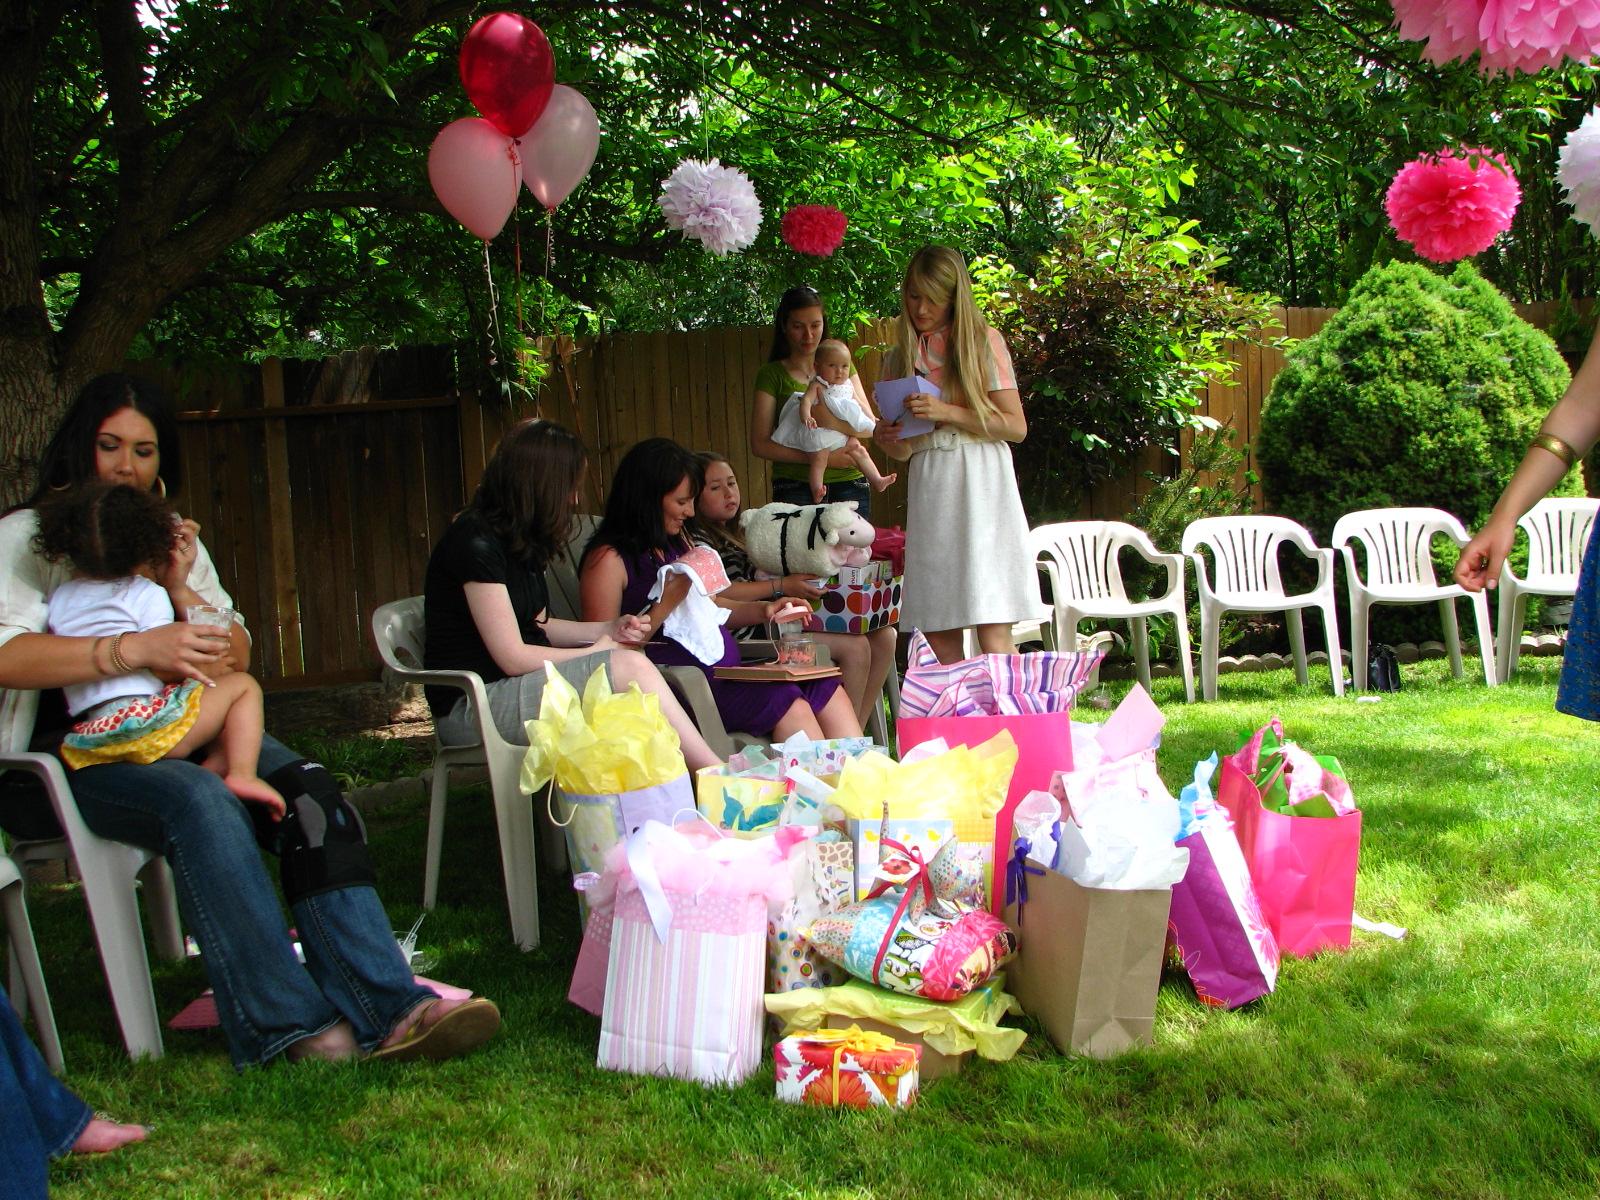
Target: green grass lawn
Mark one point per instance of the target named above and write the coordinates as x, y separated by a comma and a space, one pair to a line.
1464, 1061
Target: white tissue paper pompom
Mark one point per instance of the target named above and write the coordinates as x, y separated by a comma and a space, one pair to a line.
714, 204
1579, 172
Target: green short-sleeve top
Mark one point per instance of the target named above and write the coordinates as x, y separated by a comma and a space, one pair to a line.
775, 380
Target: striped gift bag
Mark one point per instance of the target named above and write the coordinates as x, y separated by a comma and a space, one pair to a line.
689, 1005
993, 685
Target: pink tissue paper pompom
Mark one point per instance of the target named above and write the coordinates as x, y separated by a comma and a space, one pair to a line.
1579, 172
1447, 208
1507, 35
814, 229
714, 204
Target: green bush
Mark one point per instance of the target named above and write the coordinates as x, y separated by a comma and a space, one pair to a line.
1423, 390
1111, 336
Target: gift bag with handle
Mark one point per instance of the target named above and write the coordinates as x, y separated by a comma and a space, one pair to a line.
969, 702
1300, 831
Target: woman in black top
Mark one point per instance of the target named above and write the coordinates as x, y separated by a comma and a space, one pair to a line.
485, 600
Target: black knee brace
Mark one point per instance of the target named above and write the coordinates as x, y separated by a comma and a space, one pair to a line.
321, 841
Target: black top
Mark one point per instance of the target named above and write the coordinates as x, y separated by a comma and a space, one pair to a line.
470, 552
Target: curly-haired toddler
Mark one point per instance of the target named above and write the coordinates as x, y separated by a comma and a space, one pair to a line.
119, 540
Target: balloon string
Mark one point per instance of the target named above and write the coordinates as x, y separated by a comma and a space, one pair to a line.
516, 271
494, 313
549, 258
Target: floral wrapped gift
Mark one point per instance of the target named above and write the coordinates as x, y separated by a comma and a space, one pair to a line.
846, 1068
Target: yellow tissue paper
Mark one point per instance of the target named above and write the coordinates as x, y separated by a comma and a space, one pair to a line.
605, 743
971, 1023
966, 785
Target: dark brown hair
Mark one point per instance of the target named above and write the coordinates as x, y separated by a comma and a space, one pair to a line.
526, 491
69, 458
792, 300
720, 537
106, 530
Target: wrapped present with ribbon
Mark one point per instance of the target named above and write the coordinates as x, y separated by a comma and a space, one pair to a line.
847, 1068
761, 787
948, 1033
910, 935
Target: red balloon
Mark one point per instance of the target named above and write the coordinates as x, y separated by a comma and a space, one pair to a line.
508, 71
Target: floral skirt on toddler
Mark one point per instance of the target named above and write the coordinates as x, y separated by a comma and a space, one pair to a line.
140, 729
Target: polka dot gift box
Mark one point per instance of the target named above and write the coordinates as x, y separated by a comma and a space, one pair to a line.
856, 608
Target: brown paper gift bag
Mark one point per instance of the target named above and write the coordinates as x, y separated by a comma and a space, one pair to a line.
1090, 962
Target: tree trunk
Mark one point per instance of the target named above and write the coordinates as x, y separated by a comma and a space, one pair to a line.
31, 398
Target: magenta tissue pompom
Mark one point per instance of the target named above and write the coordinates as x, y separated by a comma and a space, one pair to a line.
814, 229
1449, 208
714, 204
1507, 35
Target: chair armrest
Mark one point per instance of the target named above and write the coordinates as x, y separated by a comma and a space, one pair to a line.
1141, 544
47, 769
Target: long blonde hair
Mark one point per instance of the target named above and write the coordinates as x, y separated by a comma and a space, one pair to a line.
939, 273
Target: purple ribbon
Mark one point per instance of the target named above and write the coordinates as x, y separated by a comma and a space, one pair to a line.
1017, 872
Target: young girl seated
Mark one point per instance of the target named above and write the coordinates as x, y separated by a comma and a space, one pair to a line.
120, 540
827, 417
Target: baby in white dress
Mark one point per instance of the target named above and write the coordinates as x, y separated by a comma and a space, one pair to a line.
826, 417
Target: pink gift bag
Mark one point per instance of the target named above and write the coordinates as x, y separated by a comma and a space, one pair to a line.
689, 1004
1216, 923
1304, 867
967, 703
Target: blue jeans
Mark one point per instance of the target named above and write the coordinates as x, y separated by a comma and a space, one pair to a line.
266, 1000
798, 491
39, 1117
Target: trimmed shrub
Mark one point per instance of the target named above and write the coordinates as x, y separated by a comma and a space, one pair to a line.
1423, 390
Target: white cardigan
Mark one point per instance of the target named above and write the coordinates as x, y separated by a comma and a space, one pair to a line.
26, 581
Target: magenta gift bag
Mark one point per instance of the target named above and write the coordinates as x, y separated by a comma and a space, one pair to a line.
1304, 868
1216, 922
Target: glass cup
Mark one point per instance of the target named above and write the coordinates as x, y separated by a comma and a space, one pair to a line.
798, 649
210, 614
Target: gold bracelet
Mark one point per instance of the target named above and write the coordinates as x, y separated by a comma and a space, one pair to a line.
1550, 442
118, 663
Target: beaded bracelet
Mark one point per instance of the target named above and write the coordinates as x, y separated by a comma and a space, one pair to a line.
119, 663
1550, 442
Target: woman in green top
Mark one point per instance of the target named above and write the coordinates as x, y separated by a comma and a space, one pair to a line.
797, 328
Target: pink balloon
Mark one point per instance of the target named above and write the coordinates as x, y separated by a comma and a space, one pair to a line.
560, 148
474, 170
508, 70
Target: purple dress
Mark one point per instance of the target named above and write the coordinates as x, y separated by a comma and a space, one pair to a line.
746, 707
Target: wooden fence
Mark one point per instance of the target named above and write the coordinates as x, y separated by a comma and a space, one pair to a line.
321, 486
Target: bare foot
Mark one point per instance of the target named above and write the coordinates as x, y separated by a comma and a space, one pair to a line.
258, 791
334, 1044
884, 482
819, 494
102, 1135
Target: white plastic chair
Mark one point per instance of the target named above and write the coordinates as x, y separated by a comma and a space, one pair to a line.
398, 628
1558, 533
1245, 550
1086, 581
26, 984
1399, 561
110, 873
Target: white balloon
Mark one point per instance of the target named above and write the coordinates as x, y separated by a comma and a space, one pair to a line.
560, 148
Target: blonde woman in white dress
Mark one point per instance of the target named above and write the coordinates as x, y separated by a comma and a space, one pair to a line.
967, 562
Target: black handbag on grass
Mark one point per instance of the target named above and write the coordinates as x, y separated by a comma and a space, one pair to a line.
1383, 669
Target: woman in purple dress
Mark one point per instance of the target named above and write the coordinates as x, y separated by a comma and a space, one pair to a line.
652, 499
